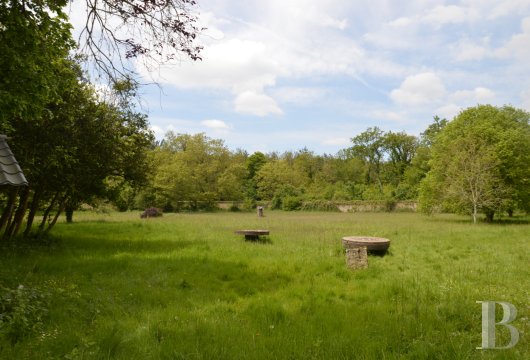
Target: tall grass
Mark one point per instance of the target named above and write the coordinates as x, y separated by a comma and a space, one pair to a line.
186, 287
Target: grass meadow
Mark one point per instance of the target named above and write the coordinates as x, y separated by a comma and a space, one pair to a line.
184, 286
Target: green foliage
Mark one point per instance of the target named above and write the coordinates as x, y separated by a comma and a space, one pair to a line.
254, 163
194, 170
274, 175
286, 193
35, 40
291, 203
22, 312
480, 163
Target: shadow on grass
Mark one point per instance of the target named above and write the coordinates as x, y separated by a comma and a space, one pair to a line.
522, 220
515, 220
138, 273
260, 240
140, 283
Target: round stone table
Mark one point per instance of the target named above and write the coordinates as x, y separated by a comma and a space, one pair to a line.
375, 244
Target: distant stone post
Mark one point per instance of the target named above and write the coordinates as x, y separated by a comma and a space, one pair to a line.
260, 211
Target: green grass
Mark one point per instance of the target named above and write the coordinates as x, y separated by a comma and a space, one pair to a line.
185, 287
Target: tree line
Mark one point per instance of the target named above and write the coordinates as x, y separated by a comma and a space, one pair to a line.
477, 163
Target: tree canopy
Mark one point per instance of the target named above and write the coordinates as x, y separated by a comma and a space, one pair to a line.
480, 163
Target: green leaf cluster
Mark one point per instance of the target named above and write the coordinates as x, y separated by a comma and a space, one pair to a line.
480, 163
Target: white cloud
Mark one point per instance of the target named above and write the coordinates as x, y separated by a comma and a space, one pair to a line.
299, 95
235, 65
494, 9
479, 95
441, 15
420, 89
448, 111
334, 23
519, 44
468, 50
158, 131
401, 22
389, 115
259, 104
215, 124
262, 56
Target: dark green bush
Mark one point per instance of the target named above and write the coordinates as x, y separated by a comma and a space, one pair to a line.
22, 311
282, 193
291, 203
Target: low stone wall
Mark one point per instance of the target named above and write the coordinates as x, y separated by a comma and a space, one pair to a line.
226, 205
351, 206
377, 206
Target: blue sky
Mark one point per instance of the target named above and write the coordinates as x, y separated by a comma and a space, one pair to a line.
281, 75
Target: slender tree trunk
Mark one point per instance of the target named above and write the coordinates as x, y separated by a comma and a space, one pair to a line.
14, 226
380, 184
8, 211
47, 212
56, 217
32, 211
474, 213
489, 215
69, 212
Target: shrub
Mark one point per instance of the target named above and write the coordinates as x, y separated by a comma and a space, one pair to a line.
151, 212
282, 194
22, 311
234, 208
390, 205
291, 203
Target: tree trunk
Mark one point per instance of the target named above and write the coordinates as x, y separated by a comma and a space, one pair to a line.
13, 228
59, 212
69, 212
510, 212
8, 211
489, 215
474, 213
47, 212
32, 211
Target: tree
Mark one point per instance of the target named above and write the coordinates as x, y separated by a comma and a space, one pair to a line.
369, 147
419, 165
401, 149
254, 163
480, 163
188, 169
35, 42
65, 152
274, 175
428, 137
155, 31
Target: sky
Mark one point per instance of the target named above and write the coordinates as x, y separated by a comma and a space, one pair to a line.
281, 75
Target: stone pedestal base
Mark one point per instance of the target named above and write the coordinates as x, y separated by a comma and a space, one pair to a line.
357, 258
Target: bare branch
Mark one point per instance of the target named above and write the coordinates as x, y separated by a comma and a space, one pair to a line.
155, 31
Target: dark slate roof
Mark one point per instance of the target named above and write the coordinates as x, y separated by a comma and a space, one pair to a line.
10, 171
